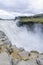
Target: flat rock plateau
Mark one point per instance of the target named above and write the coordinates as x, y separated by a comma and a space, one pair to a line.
11, 55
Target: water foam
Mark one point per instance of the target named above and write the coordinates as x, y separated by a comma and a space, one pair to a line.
21, 37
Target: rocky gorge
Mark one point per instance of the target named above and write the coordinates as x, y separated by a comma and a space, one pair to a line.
11, 55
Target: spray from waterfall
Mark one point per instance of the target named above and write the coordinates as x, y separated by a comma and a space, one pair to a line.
30, 39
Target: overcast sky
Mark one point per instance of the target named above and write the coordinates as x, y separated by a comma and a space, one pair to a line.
22, 6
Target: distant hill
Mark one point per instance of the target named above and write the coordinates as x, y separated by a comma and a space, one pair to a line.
38, 15
34, 18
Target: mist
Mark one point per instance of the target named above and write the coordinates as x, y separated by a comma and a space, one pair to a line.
24, 36
32, 37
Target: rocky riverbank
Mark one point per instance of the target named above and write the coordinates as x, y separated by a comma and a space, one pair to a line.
11, 55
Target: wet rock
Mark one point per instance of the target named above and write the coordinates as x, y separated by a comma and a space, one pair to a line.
33, 55
24, 55
15, 52
15, 55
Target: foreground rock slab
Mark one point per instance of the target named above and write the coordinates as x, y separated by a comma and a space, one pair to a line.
30, 62
5, 59
11, 55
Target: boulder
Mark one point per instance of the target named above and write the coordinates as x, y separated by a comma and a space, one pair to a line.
33, 54
15, 55
24, 55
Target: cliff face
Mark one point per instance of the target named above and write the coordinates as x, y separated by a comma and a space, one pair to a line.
11, 55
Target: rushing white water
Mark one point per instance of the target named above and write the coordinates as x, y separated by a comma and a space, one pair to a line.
21, 37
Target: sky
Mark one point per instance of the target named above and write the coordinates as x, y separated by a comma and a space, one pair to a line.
21, 7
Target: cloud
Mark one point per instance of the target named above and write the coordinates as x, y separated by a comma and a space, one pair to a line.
22, 6
6, 15
9, 15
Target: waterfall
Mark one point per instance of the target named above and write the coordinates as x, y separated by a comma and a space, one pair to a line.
23, 36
